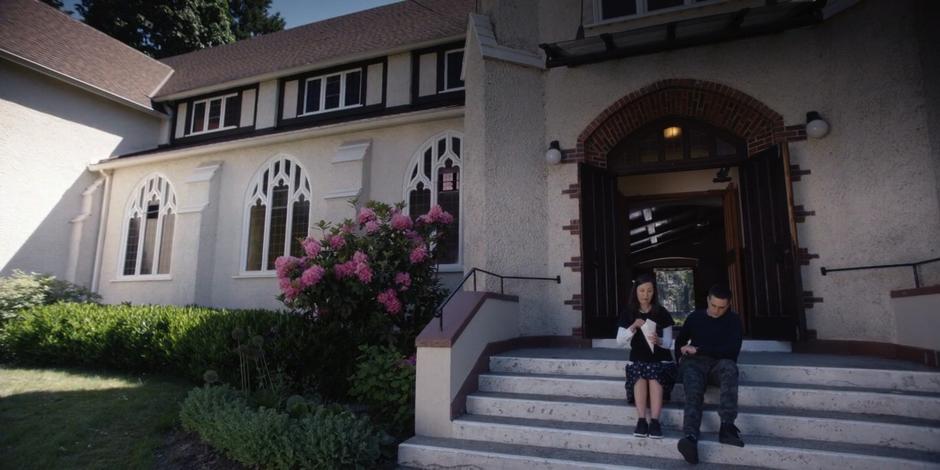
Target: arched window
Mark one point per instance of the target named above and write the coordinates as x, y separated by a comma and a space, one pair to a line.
675, 144
277, 214
433, 177
148, 228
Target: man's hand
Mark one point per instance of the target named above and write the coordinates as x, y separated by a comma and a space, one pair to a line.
688, 350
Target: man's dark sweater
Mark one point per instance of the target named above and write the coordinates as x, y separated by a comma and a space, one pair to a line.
718, 338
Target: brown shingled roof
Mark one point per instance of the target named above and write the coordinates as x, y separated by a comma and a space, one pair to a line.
37, 33
381, 28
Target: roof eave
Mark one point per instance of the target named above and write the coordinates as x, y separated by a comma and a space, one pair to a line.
305, 68
37, 67
380, 122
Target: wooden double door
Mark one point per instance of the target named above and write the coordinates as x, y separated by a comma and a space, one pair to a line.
760, 265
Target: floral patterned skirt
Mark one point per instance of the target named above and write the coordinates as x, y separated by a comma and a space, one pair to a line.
662, 372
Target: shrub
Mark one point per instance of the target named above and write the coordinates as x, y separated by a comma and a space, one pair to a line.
20, 291
317, 437
181, 340
372, 278
385, 382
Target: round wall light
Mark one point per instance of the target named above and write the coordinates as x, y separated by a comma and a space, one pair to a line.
553, 154
816, 126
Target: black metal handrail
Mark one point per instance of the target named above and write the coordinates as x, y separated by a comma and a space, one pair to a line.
913, 265
439, 312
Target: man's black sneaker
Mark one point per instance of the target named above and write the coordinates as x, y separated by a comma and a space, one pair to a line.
642, 429
688, 447
728, 434
656, 431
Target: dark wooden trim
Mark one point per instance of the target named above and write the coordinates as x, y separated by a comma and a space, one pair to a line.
457, 315
471, 384
927, 290
254, 121
439, 52
288, 126
362, 65
869, 348
676, 196
385, 81
441, 79
187, 137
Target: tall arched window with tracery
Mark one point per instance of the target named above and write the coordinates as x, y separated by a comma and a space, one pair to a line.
148, 228
433, 177
277, 214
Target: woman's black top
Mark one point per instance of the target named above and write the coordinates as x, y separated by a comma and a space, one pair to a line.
639, 348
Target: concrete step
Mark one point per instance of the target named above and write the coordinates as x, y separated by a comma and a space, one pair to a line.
436, 453
750, 345
750, 394
816, 369
759, 452
885, 431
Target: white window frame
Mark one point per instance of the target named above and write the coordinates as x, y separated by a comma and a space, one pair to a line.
205, 116
255, 193
342, 92
446, 90
438, 162
642, 10
162, 190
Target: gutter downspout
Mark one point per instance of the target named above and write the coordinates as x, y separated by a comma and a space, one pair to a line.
102, 225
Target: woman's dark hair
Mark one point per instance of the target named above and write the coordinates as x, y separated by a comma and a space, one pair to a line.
633, 304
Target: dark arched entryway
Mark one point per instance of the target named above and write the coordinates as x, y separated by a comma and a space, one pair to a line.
742, 235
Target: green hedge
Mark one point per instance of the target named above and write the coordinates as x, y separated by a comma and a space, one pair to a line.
322, 437
385, 382
181, 340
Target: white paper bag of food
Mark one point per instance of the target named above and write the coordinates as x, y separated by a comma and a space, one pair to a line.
649, 329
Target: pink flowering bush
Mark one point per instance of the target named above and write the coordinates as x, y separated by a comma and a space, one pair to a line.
371, 278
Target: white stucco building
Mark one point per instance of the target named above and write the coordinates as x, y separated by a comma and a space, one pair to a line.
682, 130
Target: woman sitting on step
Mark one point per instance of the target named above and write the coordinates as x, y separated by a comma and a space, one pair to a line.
651, 372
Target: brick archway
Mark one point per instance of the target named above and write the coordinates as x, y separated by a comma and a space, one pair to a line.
713, 103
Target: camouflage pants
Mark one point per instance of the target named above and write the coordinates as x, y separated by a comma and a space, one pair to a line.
696, 373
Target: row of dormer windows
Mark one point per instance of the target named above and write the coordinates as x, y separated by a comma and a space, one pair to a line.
346, 92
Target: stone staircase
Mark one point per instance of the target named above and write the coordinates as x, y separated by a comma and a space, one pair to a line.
565, 409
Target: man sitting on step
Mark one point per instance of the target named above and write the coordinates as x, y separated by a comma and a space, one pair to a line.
708, 348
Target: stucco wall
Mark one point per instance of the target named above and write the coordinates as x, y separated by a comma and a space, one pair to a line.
510, 222
391, 151
873, 183
49, 133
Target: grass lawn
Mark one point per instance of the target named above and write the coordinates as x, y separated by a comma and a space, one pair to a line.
63, 418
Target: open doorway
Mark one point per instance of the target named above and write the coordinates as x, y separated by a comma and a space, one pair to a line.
687, 203
680, 240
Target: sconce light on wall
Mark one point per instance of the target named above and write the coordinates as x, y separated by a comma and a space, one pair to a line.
816, 126
553, 154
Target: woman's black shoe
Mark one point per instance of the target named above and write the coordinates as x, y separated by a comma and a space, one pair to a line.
642, 429
656, 431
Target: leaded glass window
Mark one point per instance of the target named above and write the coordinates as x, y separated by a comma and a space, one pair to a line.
148, 231
277, 214
433, 177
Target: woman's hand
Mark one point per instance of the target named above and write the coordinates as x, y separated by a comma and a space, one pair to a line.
655, 340
637, 324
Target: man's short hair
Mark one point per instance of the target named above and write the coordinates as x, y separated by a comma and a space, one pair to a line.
719, 291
